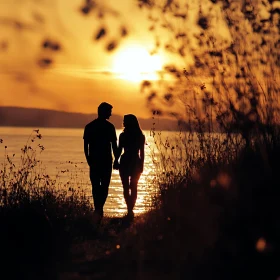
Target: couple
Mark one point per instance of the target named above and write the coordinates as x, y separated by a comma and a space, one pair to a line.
99, 141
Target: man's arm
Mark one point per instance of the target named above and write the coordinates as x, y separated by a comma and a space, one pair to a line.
114, 143
115, 150
86, 150
116, 155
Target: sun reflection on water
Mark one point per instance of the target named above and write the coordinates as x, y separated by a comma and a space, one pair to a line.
65, 163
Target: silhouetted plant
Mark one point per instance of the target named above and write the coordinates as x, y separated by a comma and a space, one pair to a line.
226, 82
40, 217
221, 83
24, 181
225, 95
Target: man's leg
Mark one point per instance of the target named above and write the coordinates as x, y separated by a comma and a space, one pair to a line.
105, 182
94, 174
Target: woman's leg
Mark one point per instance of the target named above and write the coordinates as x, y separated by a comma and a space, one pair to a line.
133, 187
125, 183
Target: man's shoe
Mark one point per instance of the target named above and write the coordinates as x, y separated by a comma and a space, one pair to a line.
97, 217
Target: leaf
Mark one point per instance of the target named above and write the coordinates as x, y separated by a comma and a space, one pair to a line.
145, 84
124, 31
168, 96
101, 33
147, 3
182, 51
180, 35
157, 112
111, 46
85, 10
215, 53
38, 17
203, 22
151, 96
48, 44
4, 45
55, 47
45, 62
183, 16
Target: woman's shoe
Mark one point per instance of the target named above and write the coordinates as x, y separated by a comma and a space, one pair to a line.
130, 214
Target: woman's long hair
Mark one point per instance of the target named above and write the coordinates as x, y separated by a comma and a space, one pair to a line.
131, 125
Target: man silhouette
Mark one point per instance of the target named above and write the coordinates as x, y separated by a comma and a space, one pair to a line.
99, 140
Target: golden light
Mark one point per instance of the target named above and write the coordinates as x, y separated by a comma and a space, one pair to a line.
261, 245
134, 63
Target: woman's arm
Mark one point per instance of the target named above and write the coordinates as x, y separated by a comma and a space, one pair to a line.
118, 153
142, 153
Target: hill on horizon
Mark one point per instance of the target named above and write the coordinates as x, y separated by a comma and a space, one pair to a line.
34, 117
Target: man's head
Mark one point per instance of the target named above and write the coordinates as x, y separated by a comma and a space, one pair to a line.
105, 110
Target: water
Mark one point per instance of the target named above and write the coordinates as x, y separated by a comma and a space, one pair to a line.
63, 159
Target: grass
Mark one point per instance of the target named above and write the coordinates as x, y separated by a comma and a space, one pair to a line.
221, 225
39, 221
216, 214
219, 222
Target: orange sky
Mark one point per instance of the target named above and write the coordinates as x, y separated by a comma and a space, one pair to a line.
77, 80
82, 74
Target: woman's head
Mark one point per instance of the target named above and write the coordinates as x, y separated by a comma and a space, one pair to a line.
130, 122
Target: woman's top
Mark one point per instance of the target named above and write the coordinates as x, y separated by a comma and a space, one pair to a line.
132, 144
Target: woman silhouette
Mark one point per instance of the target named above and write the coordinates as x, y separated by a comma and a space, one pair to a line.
132, 141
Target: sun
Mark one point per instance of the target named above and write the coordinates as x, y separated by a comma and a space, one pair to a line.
135, 63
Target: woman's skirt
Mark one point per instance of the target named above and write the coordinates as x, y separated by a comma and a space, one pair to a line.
130, 165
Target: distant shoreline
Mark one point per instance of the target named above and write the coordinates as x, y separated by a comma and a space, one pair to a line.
34, 117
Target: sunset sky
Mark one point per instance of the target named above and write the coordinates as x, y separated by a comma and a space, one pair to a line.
81, 74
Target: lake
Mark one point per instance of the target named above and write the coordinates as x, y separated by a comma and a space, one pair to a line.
63, 159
